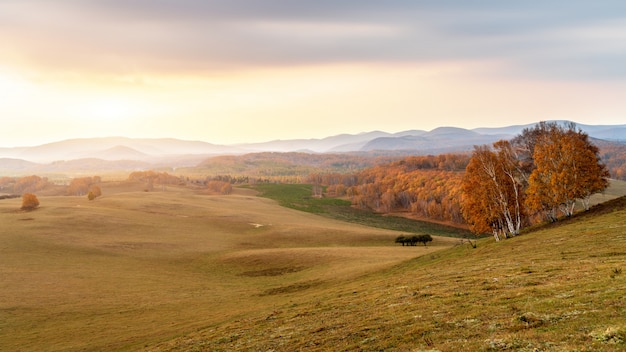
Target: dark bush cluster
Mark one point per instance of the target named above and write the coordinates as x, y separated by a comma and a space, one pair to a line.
414, 240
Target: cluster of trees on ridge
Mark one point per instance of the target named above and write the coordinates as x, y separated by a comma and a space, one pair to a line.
538, 175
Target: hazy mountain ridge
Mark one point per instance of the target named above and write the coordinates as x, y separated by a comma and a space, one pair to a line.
439, 140
143, 149
338, 143
137, 153
16, 164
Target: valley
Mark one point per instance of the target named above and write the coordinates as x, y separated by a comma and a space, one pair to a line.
135, 268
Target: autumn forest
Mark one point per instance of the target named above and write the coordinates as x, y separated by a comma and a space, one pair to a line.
539, 175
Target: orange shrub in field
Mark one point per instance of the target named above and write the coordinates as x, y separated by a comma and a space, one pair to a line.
219, 187
29, 201
94, 192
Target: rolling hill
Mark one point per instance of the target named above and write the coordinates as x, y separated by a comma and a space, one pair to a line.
141, 149
558, 288
174, 270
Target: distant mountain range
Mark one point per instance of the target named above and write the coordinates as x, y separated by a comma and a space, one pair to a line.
439, 140
121, 153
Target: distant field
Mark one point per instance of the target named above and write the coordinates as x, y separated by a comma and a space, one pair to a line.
132, 268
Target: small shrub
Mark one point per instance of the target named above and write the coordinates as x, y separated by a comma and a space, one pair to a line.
96, 191
29, 201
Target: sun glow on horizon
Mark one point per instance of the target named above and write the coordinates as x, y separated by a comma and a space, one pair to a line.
284, 102
107, 110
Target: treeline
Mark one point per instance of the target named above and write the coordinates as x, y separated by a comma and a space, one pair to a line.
78, 186
292, 167
155, 177
221, 184
26, 184
427, 186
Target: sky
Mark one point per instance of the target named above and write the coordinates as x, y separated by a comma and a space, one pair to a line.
234, 71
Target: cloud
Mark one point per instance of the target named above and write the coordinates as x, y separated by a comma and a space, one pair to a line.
548, 39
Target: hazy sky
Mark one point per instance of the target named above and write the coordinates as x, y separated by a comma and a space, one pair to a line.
245, 71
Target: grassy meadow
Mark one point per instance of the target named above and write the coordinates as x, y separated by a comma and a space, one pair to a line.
560, 288
135, 269
173, 270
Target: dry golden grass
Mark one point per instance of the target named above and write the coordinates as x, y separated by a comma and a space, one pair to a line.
178, 271
134, 268
558, 289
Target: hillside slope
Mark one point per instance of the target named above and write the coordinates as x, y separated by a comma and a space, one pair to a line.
559, 288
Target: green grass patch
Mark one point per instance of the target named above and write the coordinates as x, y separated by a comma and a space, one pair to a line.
299, 197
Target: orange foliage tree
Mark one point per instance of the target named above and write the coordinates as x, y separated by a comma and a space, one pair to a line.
29, 201
567, 168
492, 193
94, 192
81, 185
